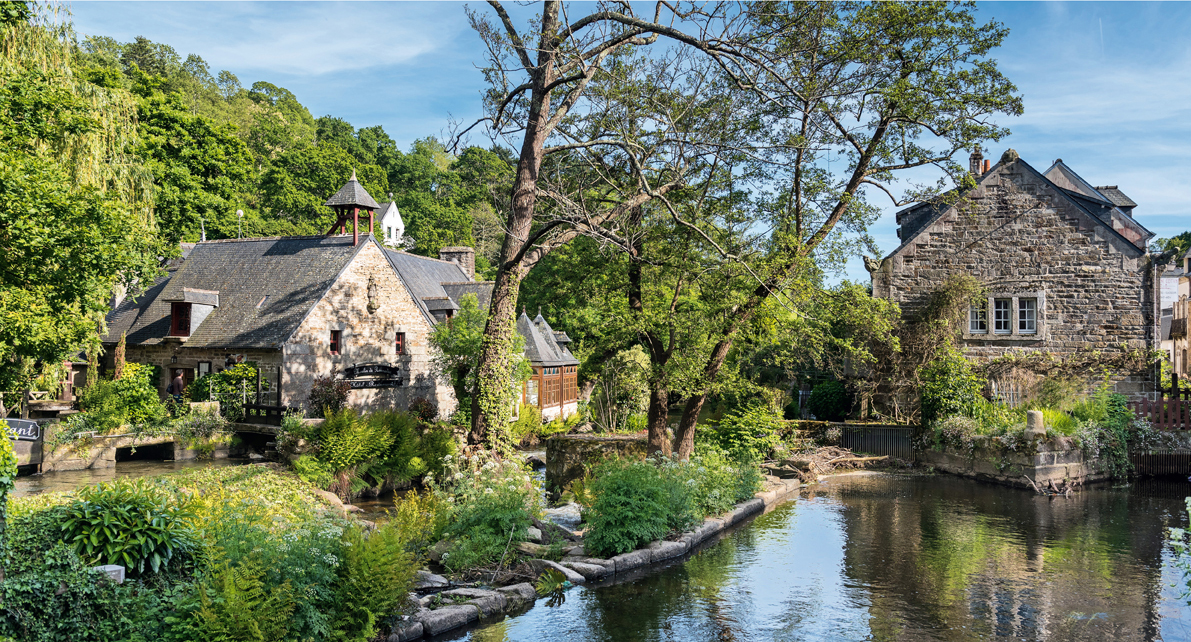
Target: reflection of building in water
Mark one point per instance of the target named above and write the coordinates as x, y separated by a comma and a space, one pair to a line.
964, 557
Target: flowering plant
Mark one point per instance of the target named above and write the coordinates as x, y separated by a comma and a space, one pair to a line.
491, 504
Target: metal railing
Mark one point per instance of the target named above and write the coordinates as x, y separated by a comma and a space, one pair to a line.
894, 441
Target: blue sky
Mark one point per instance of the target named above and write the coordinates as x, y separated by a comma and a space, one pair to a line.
1107, 86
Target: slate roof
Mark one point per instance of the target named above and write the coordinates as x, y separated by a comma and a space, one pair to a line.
352, 194
540, 346
424, 276
1116, 196
482, 290
266, 288
1080, 198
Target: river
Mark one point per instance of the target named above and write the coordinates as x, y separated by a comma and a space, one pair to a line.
903, 557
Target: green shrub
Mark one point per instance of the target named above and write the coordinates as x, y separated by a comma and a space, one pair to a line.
528, 425
422, 519
375, 577
753, 432
8, 476
311, 470
1059, 421
130, 400
437, 443
949, 386
129, 523
829, 401
346, 440
64, 600
494, 502
229, 387
401, 461
237, 603
630, 507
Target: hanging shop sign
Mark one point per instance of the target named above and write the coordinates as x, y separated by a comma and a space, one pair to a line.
373, 375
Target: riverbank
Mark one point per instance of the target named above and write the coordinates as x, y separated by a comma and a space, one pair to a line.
443, 607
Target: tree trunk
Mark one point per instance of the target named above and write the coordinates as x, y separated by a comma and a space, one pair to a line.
495, 369
659, 392
684, 437
659, 411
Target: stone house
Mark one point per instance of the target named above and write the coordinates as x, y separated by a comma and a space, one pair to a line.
304, 307
1064, 263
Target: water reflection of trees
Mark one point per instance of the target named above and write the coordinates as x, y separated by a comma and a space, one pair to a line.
952, 559
701, 599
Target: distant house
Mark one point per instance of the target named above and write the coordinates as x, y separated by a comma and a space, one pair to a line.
392, 228
298, 308
553, 389
1064, 263
1180, 342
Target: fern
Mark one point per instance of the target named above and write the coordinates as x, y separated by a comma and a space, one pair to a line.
235, 606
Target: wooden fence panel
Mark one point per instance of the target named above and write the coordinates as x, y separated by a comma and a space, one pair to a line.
1165, 414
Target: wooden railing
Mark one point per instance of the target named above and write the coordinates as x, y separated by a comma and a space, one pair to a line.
1164, 414
262, 414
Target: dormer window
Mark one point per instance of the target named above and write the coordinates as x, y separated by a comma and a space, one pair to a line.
180, 319
189, 309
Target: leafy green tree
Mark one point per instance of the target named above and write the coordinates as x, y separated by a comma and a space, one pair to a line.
458, 346
74, 210
1179, 244
299, 181
200, 168
153, 58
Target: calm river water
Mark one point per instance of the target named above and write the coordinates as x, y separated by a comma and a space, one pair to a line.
903, 557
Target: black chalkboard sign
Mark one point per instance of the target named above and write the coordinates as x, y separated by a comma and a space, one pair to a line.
378, 370
23, 429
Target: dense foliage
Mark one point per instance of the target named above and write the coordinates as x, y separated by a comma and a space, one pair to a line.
128, 401
491, 502
637, 502
265, 560
348, 452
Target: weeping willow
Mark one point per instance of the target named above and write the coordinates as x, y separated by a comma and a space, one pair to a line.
76, 206
97, 155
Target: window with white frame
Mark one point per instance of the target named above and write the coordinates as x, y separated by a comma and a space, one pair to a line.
978, 317
1002, 317
1027, 316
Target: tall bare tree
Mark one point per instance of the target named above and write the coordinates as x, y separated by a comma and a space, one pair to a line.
561, 60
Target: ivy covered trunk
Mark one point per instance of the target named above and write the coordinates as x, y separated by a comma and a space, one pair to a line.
491, 406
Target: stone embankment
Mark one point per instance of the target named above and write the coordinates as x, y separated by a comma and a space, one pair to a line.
444, 607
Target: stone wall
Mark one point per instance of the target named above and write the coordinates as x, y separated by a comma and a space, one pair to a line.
1021, 237
568, 456
1055, 462
367, 336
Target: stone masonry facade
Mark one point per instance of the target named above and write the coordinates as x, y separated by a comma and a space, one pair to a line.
1024, 239
367, 336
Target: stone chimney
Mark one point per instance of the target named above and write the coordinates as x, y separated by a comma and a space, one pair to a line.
975, 161
464, 257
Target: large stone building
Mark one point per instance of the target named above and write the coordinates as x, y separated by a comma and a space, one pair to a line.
299, 308
1064, 263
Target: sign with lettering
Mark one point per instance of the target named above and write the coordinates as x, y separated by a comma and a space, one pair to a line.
23, 429
372, 376
371, 370
360, 384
